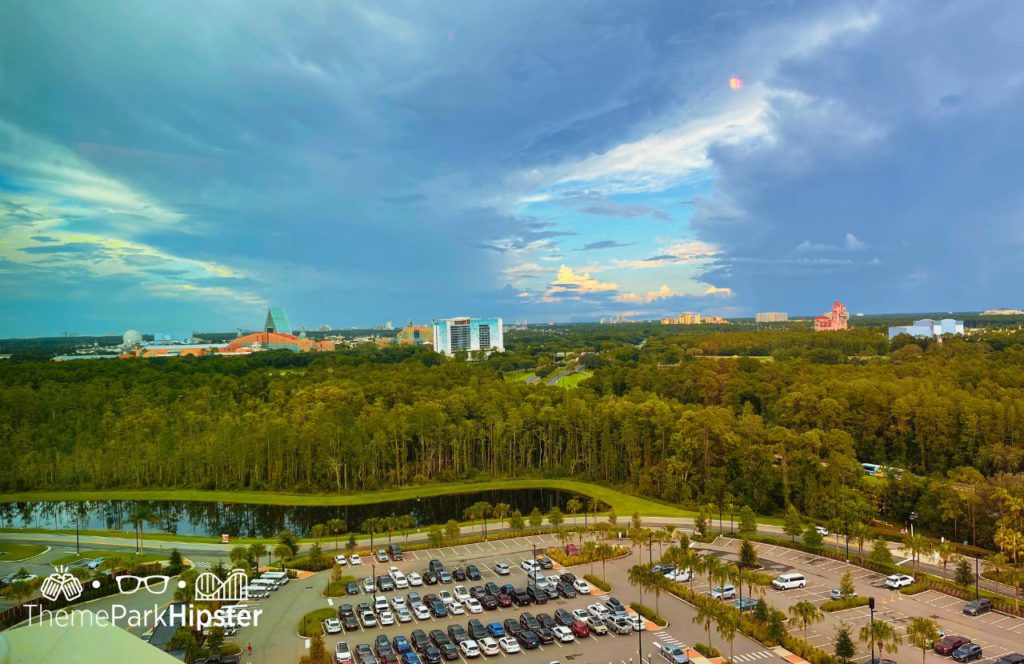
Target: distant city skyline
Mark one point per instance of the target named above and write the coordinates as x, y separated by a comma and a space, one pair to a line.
187, 165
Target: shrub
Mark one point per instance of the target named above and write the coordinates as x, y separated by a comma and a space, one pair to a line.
843, 604
706, 650
336, 587
600, 583
649, 613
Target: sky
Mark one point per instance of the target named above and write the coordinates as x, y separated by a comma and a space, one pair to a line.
182, 166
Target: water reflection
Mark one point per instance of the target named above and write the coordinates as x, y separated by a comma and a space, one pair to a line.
251, 520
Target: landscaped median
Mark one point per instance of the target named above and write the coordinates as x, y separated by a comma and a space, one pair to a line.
649, 614
844, 604
15, 553
313, 622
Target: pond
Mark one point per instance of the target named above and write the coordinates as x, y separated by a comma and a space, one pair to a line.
253, 520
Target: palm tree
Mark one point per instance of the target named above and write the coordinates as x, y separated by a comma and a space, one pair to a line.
712, 567
605, 551
371, 526
502, 511
283, 553
882, 634
257, 551
669, 534
805, 614
859, 532
707, 612
573, 506
640, 577
140, 516
946, 552
728, 626
589, 550
921, 633
917, 545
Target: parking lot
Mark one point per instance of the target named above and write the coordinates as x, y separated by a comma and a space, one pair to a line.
275, 639
997, 634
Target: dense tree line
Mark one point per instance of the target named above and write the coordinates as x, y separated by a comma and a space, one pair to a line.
659, 418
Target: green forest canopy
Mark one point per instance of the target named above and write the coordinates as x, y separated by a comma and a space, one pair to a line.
658, 418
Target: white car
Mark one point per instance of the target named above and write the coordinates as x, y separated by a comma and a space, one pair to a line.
680, 575
503, 570
469, 648
821, 531
637, 622
897, 581
599, 611
531, 566
456, 609
403, 614
368, 619
386, 618
398, 602
446, 597
332, 626
380, 603
580, 614
488, 646
473, 606
421, 612
400, 581
342, 655
461, 594
415, 579
354, 559
340, 559
563, 634
509, 645
368, 586
581, 586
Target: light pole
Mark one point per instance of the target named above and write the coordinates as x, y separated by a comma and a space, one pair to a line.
871, 627
913, 518
977, 590
650, 550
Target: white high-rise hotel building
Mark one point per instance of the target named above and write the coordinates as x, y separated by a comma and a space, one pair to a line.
453, 335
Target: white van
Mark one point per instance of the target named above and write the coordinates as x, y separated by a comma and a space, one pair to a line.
789, 581
257, 592
266, 584
280, 578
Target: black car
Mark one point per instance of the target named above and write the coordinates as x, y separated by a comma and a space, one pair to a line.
476, 629
489, 602
459, 574
545, 562
978, 606
429, 578
563, 617
512, 627
435, 566
546, 620
521, 598
1011, 658
528, 621
477, 592
350, 623
566, 590
419, 639
457, 633
545, 635
431, 655
449, 652
552, 591
614, 605
537, 595
382, 645
395, 552
527, 639
365, 653
385, 583
352, 588
439, 637
473, 573
492, 588
568, 577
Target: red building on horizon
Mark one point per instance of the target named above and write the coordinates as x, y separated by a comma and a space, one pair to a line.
837, 319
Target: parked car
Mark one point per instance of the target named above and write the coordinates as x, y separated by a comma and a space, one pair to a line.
395, 552
355, 559
332, 626
414, 579
672, 653
340, 559
581, 586
382, 556
897, 581
473, 605
488, 646
352, 588
579, 628
342, 654
496, 629
745, 604
476, 629
978, 606
502, 569
469, 649
509, 645
420, 640
369, 619
821, 531
596, 625
530, 566
619, 625
458, 574
566, 590
967, 652
564, 634
473, 574
401, 644
837, 594
563, 617
789, 581
1011, 658
950, 643
727, 591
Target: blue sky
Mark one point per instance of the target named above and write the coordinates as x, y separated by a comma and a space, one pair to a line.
179, 166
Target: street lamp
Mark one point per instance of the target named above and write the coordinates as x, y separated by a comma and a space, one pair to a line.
871, 627
977, 591
650, 549
912, 518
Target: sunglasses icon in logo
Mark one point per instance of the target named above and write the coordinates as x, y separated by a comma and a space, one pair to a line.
156, 584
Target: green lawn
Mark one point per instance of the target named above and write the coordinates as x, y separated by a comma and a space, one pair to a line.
573, 380
312, 622
17, 552
111, 555
623, 503
513, 376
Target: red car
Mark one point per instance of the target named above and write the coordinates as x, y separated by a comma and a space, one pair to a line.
950, 643
504, 600
579, 628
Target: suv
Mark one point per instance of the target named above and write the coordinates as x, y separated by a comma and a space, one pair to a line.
967, 652
395, 552
541, 596
727, 591
382, 556
978, 606
897, 581
950, 643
